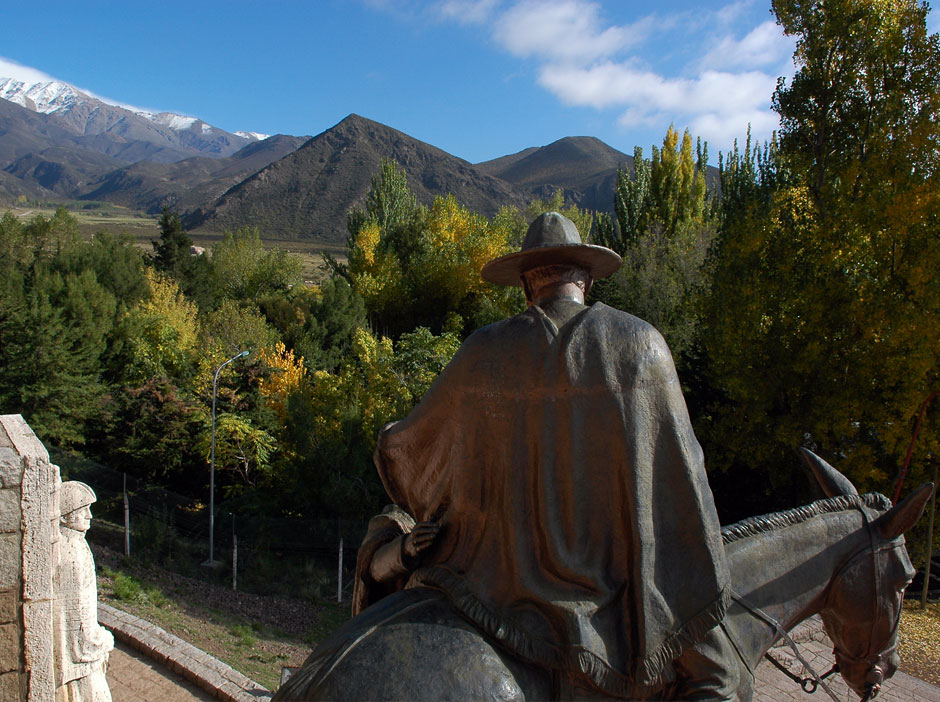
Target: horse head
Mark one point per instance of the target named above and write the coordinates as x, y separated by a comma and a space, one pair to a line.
864, 635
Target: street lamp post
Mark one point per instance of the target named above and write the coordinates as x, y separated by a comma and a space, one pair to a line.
215, 386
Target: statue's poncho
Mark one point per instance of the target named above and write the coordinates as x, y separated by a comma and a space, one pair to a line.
578, 526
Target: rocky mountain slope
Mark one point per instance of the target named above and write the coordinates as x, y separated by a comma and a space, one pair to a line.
58, 143
585, 168
68, 153
188, 184
128, 134
308, 193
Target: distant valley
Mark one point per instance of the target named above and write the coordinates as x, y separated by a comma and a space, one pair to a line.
59, 144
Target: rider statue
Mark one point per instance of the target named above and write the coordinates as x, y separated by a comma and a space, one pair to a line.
550, 484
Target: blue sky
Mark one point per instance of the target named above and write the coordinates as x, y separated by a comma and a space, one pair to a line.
477, 78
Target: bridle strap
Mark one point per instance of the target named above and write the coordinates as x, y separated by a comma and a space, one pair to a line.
761, 614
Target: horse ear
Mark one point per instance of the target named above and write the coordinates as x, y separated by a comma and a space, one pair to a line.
905, 513
832, 481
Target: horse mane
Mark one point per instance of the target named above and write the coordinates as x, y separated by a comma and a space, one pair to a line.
778, 520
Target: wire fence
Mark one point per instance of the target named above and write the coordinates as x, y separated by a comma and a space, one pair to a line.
300, 557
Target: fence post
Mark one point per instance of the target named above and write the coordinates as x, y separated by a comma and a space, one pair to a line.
339, 582
234, 555
127, 522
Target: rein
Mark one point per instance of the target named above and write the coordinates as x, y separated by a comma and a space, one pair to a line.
808, 684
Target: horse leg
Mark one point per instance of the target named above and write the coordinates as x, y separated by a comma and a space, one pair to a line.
711, 670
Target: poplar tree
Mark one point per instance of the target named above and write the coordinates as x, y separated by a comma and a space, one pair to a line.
662, 227
826, 304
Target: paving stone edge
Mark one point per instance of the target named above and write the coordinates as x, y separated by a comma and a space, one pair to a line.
212, 675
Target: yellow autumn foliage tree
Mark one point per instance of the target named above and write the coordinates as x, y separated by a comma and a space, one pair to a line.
415, 266
382, 381
377, 273
161, 332
825, 304
456, 244
335, 417
287, 375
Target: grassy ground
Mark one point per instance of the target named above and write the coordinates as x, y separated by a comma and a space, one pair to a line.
254, 634
98, 217
258, 635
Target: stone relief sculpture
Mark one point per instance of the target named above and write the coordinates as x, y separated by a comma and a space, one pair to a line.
553, 534
82, 645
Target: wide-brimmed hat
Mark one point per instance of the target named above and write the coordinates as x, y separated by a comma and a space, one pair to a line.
552, 238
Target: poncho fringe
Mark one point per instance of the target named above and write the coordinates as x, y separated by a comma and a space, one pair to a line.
575, 659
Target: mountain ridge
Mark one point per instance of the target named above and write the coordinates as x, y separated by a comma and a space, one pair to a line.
307, 193
58, 142
178, 136
185, 185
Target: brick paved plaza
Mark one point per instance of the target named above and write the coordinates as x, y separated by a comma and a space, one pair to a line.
135, 678
772, 685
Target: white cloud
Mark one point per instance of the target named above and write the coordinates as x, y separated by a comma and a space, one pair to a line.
717, 105
933, 21
765, 45
610, 84
730, 13
585, 60
563, 30
721, 130
468, 11
17, 71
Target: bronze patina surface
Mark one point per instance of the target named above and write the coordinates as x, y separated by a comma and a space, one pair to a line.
842, 556
553, 531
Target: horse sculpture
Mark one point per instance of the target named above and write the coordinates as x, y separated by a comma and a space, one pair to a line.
842, 557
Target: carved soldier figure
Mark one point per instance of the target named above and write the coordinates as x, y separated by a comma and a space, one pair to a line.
559, 489
82, 645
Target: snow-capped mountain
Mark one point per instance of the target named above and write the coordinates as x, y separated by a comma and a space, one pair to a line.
175, 136
181, 123
253, 135
48, 97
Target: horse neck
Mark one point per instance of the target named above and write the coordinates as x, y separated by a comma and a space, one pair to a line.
786, 573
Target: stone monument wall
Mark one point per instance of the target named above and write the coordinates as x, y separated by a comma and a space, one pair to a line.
29, 515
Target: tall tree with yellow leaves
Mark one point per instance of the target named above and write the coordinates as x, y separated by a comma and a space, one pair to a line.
662, 227
826, 304
416, 266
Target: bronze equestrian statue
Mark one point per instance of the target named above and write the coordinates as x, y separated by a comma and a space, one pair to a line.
553, 535
842, 557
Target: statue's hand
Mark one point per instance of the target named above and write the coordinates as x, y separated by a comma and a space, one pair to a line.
420, 539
